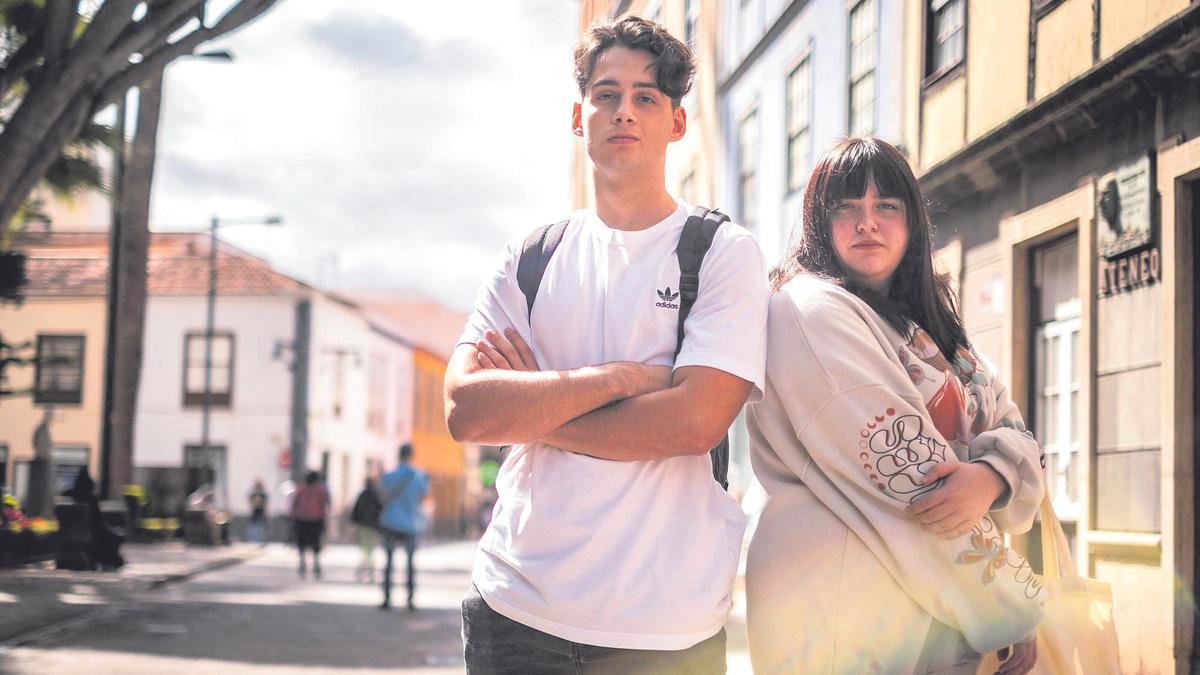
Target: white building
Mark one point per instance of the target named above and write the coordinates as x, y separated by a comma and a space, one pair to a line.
795, 76
359, 378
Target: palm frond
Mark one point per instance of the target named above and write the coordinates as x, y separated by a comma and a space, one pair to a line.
71, 174
95, 134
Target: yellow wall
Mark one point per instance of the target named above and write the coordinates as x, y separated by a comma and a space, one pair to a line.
433, 448
997, 63
74, 424
1064, 45
943, 125
1124, 22
995, 86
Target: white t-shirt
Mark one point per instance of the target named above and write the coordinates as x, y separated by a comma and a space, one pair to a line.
635, 555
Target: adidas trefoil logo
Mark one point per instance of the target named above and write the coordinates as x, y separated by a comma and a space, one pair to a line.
667, 299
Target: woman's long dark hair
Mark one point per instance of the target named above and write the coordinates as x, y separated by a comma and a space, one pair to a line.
917, 294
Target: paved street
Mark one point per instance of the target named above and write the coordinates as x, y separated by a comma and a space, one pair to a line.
258, 616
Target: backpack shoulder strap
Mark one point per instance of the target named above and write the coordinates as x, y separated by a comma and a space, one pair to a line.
535, 257
698, 232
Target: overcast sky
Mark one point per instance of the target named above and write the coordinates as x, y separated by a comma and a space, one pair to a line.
403, 142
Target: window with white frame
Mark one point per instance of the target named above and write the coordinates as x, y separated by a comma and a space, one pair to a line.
863, 58
1058, 415
59, 376
749, 24
799, 120
748, 168
687, 187
653, 11
691, 20
402, 412
69, 460
205, 465
377, 393
947, 39
221, 390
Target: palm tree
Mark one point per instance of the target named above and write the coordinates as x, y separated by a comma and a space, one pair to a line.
131, 245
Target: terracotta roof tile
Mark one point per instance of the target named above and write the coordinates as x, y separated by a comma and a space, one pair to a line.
62, 265
235, 276
66, 277
421, 320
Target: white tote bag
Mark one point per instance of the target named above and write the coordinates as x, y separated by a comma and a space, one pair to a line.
1076, 635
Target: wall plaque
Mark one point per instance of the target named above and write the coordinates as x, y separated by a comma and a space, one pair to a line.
1125, 208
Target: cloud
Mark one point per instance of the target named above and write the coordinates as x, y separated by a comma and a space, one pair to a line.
368, 41
408, 142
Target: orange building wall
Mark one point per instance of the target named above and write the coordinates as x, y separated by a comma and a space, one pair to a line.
433, 448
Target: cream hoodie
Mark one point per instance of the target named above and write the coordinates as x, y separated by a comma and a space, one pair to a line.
839, 579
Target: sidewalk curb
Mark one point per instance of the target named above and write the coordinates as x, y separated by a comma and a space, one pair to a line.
74, 623
59, 628
221, 563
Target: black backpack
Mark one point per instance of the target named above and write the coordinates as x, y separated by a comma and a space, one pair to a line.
694, 242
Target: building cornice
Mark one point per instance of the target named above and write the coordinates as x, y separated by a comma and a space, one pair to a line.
1159, 61
764, 43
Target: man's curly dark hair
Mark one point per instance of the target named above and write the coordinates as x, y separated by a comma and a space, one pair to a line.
675, 66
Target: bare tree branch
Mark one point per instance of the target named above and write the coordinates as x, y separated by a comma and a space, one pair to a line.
46, 103
243, 13
104, 28
60, 19
65, 128
160, 22
21, 63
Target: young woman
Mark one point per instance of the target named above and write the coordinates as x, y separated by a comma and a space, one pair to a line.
892, 455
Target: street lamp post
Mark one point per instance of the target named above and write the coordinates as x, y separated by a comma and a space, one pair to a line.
206, 410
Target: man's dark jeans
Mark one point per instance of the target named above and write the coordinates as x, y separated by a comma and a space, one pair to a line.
391, 539
497, 645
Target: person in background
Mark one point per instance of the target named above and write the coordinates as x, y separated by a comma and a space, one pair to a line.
258, 513
104, 545
402, 520
365, 517
310, 506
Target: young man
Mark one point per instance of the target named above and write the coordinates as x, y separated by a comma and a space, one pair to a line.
401, 521
612, 546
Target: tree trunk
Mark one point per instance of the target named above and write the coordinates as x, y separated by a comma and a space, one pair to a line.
134, 241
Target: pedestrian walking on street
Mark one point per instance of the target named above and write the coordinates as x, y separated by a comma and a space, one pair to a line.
256, 529
613, 362
310, 506
365, 516
402, 521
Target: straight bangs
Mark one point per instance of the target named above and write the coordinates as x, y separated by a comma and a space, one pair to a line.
917, 294
849, 171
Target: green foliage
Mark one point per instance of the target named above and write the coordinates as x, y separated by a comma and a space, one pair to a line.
76, 170
12, 276
21, 354
22, 16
